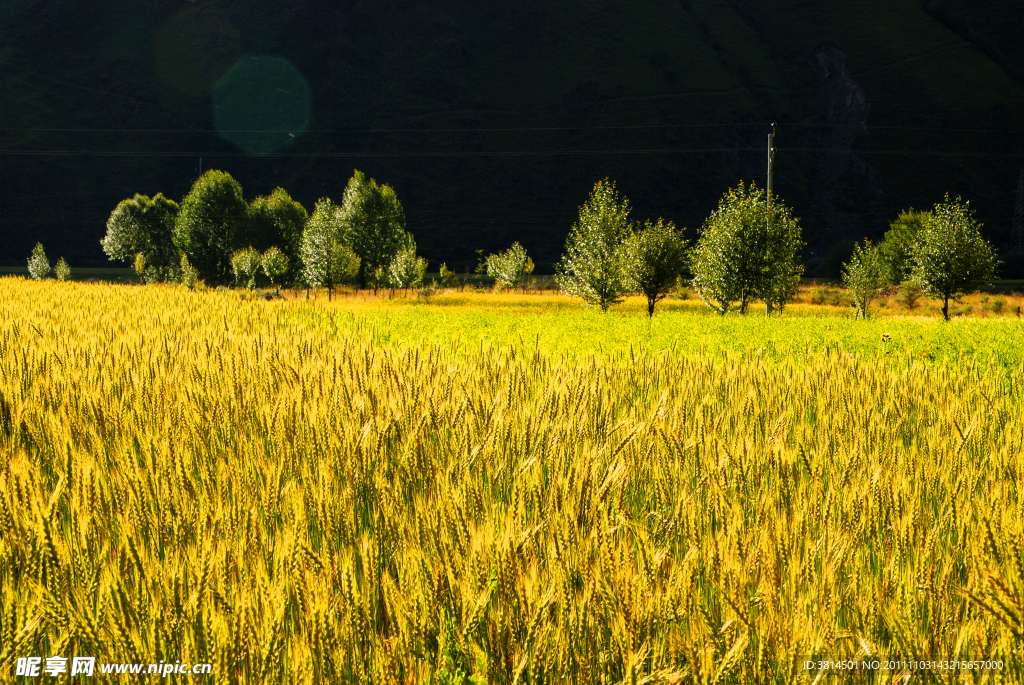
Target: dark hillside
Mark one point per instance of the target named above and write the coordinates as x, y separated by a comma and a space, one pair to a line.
493, 119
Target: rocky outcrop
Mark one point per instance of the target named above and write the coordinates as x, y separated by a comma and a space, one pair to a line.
845, 108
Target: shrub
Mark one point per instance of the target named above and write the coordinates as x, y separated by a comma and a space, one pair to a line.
62, 271
998, 305
509, 268
831, 297
910, 292
245, 263
448, 277
189, 274
274, 263
406, 269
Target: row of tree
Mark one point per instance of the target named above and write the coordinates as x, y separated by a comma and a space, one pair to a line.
214, 234
748, 250
940, 251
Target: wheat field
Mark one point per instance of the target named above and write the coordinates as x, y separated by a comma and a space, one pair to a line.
197, 477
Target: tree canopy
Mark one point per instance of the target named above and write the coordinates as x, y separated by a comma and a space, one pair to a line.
509, 268
652, 258
375, 224
38, 264
951, 258
327, 257
407, 270
212, 224
276, 220
864, 274
896, 251
144, 225
747, 250
590, 268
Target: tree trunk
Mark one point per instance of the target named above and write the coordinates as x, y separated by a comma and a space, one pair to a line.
767, 308
361, 275
650, 307
945, 308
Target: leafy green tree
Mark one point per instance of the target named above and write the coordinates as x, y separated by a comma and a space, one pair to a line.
144, 225
212, 224
38, 264
951, 258
278, 220
62, 270
375, 223
509, 268
864, 274
591, 268
274, 263
897, 249
652, 259
747, 250
245, 263
327, 258
406, 269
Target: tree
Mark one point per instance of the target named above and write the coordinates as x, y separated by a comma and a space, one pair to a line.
144, 225
652, 259
62, 270
590, 269
275, 263
38, 264
864, 274
212, 224
951, 258
375, 224
278, 220
897, 248
245, 263
406, 269
747, 250
509, 268
327, 258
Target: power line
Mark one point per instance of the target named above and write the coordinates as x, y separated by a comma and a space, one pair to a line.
493, 153
506, 129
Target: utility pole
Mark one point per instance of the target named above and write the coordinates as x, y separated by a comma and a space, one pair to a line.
1017, 237
771, 187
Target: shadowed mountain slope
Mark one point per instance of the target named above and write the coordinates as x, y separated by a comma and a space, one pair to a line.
492, 120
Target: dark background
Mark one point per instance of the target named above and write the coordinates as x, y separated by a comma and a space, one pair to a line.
493, 119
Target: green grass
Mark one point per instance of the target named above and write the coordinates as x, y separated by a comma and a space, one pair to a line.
558, 325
